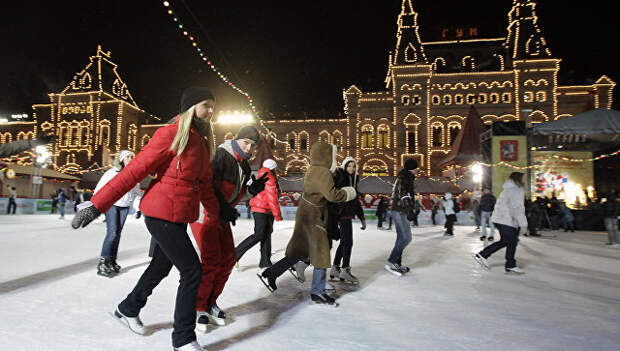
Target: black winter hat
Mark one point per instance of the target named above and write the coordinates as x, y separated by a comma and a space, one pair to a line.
248, 132
411, 164
193, 95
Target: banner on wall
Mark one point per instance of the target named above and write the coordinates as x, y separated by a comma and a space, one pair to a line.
508, 148
568, 180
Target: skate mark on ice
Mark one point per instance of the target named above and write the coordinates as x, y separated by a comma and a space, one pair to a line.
58, 273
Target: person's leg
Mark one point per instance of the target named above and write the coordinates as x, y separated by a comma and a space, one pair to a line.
173, 248
484, 221
338, 254
260, 223
122, 216
346, 228
265, 244
489, 250
210, 256
450, 224
615, 230
510, 235
318, 281
111, 225
609, 226
380, 221
403, 236
280, 267
62, 210
227, 263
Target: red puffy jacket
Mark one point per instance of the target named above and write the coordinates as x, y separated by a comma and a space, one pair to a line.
179, 185
267, 200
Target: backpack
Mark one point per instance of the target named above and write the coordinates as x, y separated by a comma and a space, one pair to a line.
455, 206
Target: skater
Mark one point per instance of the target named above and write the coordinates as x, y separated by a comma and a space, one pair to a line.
309, 240
115, 217
12, 197
265, 209
611, 211
475, 209
434, 211
344, 214
402, 208
417, 208
509, 218
54, 198
381, 208
62, 201
179, 155
449, 208
231, 176
568, 218
487, 203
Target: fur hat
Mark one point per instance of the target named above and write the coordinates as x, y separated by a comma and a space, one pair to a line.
193, 95
269, 163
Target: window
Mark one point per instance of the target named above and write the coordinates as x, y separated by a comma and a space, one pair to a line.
383, 136
291, 143
447, 99
436, 100
494, 98
482, 98
437, 135
405, 100
367, 137
416, 100
454, 132
411, 141
471, 99
304, 144
541, 96
506, 98
458, 99
528, 96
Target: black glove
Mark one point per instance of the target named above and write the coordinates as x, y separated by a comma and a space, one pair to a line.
138, 215
44, 139
257, 185
85, 216
228, 213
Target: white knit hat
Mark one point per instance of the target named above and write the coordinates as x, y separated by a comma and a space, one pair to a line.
123, 154
269, 163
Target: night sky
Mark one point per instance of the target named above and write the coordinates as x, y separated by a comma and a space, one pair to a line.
289, 55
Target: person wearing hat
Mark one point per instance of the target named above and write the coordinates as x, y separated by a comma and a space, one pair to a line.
179, 156
232, 182
402, 211
509, 218
265, 209
115, 216
449, 206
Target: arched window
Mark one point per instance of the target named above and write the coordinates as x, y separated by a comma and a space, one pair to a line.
383, 136
324, 136
494, 97
453, 130
458, 99
437, 134
21, 136
337, 135
303, 141
506, 98
447, 99
84, 132
405, 100
436, 100
6, 138
104, 133
291, 144
132, 137
367, 132
74, 134
541, 96
144, 141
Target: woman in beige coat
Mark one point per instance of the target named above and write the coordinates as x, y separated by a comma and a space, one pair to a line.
309, 240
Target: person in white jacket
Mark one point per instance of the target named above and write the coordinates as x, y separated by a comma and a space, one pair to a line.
115, 217
448, 208
509, 218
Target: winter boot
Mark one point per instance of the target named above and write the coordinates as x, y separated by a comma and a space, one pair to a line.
115, 267
334, 272
216, 315
346, 276
104, 268
202, 321
133, 323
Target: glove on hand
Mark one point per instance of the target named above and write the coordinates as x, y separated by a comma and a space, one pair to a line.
85, 215
363, 225
228, 213
257, 185
44, 139
138, 214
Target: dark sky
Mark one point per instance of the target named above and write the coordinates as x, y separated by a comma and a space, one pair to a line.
290, 55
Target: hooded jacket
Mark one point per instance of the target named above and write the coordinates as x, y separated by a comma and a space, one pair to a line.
127, 199
267, 200
448, 205
403, 192
510, 208
309, 238
342, 178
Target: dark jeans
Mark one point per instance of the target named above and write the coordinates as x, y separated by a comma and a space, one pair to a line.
508, 240
280, 267
173, 248
450, 219
569, 225
343, 252
12, 204
415, 219
61, 208
263, 227
433, 214
114, 222
380, 220
403, 236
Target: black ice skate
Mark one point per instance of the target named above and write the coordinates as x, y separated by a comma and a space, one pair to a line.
324, 299
104, 269
270, 283
115, 266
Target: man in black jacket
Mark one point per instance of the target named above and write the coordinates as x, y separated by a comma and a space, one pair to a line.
402, 210
487, 204
611, 211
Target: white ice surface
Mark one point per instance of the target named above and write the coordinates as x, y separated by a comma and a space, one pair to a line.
569, 299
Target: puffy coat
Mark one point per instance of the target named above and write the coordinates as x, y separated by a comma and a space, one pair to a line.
309, 238
448, 205
267, 200
510, 208
180, 184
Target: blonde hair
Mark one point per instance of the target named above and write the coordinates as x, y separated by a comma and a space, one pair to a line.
182, 137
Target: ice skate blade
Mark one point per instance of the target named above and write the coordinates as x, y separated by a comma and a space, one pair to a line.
124, 322
219, 321
266, 284
335, 304
387, 268
295, 275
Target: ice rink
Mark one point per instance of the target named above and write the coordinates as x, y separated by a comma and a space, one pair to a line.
569, 299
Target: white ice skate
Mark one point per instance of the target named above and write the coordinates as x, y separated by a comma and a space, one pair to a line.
393, 268
299, 271
515, 270
329, 286
202, 321
346, 276
133, 323
192, 346
334, 272
216, 315
483, 261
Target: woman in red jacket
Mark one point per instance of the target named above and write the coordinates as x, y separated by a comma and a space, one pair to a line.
265, 209
180, 157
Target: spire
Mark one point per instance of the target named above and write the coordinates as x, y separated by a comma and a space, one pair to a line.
409, 49
525, 39
100, 75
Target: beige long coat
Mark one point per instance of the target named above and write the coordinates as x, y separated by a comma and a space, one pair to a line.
309, 238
